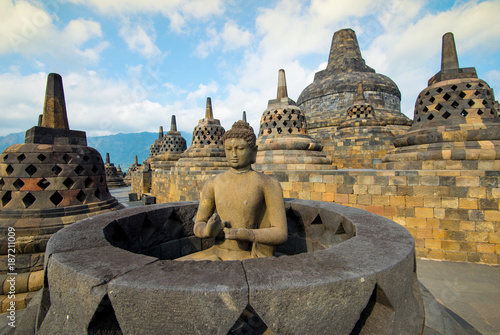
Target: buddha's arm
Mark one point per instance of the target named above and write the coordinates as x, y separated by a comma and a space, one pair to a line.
275, 214
207, 224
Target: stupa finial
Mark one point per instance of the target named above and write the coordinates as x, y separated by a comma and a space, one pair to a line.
54, 108
449, 58
209, 114
244, 118
135, 161
107, 158
160, 133
282, 91
173, 124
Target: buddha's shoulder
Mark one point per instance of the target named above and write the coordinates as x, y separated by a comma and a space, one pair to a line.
264, 178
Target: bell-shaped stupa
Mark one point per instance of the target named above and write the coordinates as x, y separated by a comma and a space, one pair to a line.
362, 138
207, 150
46, 183
334, 90
283, 142
167, 150
132, 168
113, 177
456, 124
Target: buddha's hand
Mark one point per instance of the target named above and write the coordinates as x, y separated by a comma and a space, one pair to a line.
214, 226
240, 234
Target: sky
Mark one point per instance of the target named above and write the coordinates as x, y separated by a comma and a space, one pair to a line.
129, 65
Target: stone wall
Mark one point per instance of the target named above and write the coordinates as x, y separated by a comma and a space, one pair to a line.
453, 215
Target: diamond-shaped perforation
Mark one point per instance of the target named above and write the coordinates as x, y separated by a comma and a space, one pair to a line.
432, 99
249, 323
43, 184
471, 103
79, 170
446, 97
97, 194
56, 169
88, 182
5, 158
68, 182
41, 157
95, 169
439, 89
480, 112
21, 157
439, 107
464, 113
30, 170
446, 115
7, 197
455, 104
66, 158
56, 198
454, 87
462, 95
2, 183
86, 158
9, 170
18, 184
81, 196
28, 200
430, 117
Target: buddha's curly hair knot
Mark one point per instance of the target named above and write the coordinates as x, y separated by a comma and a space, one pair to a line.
242, 129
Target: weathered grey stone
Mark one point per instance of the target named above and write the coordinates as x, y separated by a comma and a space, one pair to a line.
364, 284
184, 297
81, 273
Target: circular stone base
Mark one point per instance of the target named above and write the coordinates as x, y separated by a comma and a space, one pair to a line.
341, 269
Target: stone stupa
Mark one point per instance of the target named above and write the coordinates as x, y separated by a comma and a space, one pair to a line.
283, 142
132, 168
46, 183
362, 138
206, 152
167, 149
334, 90
456, 124
114, 178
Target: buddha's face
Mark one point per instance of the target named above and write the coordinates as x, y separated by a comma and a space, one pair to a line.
239, 154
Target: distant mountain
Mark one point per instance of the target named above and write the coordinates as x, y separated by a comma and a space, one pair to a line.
122, 148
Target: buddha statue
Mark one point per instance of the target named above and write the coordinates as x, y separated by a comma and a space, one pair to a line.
242, 209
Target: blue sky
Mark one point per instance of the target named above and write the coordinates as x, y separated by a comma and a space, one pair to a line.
128, 65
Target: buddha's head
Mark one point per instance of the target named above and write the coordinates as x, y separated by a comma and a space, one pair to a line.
240, 145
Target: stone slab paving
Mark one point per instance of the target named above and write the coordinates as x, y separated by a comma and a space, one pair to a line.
469, 292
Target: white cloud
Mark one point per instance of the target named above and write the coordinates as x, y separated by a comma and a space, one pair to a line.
141, 39
234, 37
203, 91
409, 50
206, 46
29, 30
231, 37
179, 12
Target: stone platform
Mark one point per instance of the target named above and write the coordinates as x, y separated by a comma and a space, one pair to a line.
119, 263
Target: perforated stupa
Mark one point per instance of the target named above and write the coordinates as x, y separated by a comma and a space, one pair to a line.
50, 181
283, 142
456, 123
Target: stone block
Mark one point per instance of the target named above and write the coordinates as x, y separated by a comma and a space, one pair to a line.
455, 256
214, 306
422, 212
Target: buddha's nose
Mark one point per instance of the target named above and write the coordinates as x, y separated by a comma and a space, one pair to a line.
234, 153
